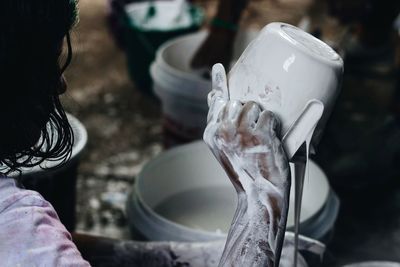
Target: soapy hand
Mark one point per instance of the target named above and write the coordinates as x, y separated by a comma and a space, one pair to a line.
244, 139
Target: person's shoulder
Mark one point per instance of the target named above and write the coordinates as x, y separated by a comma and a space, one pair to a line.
31, 231
11, 196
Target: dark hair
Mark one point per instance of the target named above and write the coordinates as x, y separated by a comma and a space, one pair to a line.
34, 126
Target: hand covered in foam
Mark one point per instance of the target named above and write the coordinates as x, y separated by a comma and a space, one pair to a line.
245, 141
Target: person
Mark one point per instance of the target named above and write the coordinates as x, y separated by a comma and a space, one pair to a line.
35, 129
218, 46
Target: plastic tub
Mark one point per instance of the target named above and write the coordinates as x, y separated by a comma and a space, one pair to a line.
142, 38
183, 92
184, 195
58, 186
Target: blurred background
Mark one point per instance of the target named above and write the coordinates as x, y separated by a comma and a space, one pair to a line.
131, 118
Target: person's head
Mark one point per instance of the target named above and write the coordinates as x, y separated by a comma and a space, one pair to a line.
33, 122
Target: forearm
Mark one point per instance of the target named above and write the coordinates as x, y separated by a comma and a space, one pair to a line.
247, 243
257, 231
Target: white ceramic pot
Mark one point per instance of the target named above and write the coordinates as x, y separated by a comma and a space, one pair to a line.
283, 69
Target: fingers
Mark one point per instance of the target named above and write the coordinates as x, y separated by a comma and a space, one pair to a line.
269, 125
230, 112
268, 122
249, 116
228, 120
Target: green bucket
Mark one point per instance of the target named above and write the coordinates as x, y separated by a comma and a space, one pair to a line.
144, 34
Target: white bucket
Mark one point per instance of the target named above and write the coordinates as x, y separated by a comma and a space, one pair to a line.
183, 91
185, 195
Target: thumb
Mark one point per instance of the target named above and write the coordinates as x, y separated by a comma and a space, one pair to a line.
219, 82
219, 95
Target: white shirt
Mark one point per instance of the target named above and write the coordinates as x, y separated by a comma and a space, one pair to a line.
31, 233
